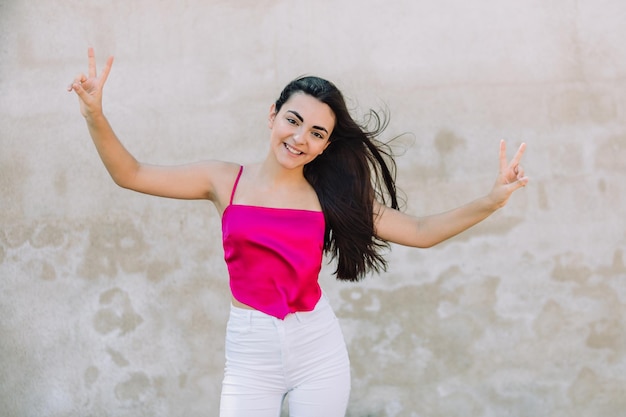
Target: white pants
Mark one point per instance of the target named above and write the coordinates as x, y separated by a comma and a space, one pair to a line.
303, 355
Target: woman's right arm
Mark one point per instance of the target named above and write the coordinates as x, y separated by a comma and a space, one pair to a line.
192, 181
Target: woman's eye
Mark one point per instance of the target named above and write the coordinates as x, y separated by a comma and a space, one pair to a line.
317, 135
291, 121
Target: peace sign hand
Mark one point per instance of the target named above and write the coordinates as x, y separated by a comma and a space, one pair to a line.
510, 176
88, 88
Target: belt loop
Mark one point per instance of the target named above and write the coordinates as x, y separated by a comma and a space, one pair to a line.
297, 314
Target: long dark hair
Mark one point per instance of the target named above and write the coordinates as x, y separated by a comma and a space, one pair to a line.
353, 171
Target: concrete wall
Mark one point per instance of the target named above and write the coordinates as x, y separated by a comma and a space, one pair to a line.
114, 303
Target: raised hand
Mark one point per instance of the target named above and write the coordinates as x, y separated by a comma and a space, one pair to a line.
510, 176
88, 87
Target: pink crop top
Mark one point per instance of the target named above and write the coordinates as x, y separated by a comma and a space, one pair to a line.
274, 256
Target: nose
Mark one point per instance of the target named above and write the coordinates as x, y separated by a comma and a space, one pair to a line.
298, 136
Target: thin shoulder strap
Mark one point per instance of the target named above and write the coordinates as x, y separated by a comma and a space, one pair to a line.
232, 194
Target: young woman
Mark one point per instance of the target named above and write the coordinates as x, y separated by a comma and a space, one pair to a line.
326, 185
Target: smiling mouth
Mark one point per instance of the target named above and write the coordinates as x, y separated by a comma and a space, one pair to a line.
292, 150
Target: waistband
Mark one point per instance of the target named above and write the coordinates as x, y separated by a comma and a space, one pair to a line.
301, 316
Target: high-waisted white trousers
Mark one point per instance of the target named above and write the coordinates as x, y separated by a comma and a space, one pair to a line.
304, 356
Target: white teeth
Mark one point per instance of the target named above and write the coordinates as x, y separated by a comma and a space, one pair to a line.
293, 150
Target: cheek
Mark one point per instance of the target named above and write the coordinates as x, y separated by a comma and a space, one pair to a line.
320, 150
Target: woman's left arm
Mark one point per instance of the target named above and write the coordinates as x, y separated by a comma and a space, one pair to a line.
423, 232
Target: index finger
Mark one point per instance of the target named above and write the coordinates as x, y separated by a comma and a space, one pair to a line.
92, 62
518, 155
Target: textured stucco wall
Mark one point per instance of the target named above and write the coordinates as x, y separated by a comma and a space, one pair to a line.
114, 303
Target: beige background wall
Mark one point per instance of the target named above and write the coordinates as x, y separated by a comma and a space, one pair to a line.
114, 303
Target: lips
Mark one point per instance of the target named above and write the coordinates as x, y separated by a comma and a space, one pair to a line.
292, 150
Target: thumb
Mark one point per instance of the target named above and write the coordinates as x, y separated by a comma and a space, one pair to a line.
80, 91
520, 183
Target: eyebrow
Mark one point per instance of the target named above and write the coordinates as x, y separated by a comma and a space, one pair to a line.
295, 113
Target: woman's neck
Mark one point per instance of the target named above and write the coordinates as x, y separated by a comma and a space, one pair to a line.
267, 185
272, 174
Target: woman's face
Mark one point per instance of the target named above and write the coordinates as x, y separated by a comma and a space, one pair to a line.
300, 130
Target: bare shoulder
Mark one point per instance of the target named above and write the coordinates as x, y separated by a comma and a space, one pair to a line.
192, 181
392, 225
223, 175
